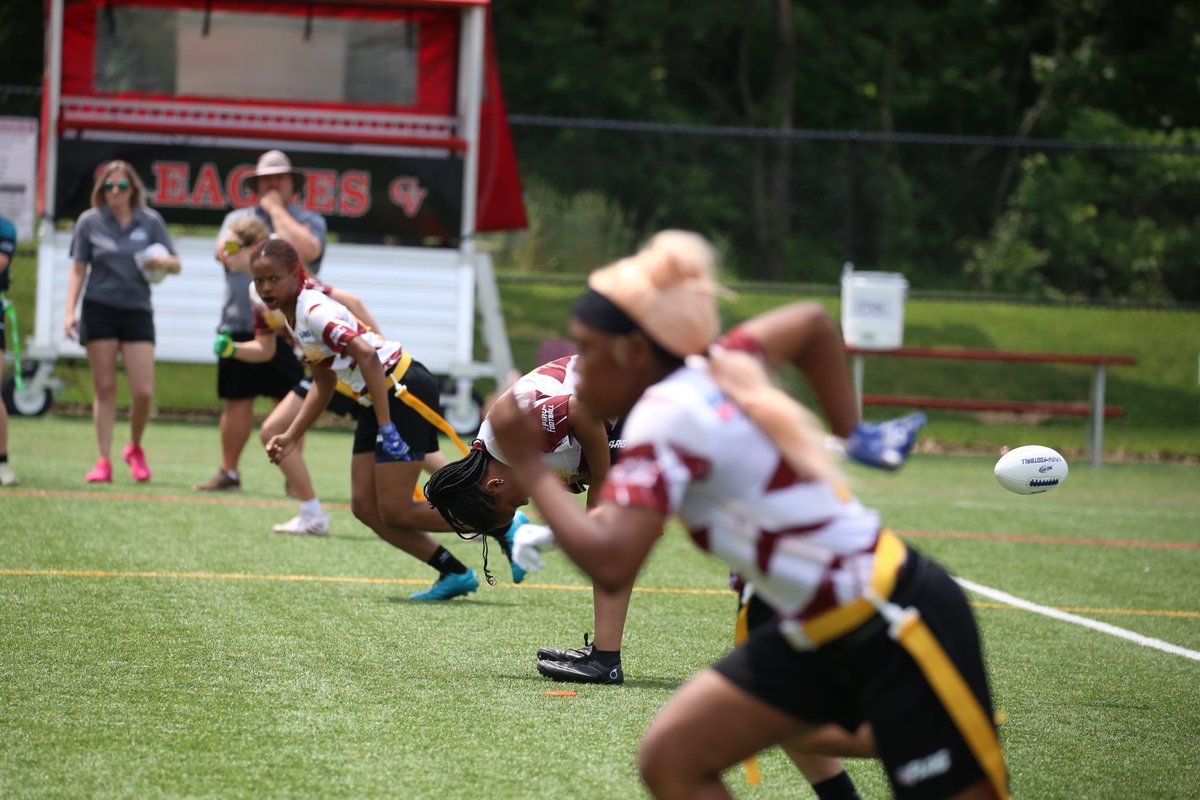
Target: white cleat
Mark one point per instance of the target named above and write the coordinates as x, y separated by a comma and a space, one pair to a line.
7, 476
312, 525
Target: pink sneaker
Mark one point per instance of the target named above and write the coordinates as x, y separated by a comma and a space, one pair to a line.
101, 473
135, 457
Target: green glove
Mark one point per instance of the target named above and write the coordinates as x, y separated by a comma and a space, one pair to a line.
224, 346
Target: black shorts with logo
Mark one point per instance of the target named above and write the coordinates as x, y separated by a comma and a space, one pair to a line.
99, 321
867, 677
415, 430
238, 380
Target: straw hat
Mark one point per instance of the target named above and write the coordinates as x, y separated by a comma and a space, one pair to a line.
274, 162
668, 288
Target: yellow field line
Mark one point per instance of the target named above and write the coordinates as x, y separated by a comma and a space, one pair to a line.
242, 576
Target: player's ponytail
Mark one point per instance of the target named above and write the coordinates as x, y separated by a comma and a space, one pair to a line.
794, 430
456, 491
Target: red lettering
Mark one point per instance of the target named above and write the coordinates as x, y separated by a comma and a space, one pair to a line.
207, 193
239, 190
407, 193
171, 178
320, 190
354, 193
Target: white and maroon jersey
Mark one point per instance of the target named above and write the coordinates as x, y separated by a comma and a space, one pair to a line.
323, 329
806, 545
548, 389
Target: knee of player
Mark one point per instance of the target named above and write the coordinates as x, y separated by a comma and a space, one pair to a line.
399, 513
654, 766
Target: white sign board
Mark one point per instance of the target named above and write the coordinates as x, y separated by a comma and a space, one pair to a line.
18, 172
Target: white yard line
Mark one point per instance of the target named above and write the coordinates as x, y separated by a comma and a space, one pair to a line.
1103, 627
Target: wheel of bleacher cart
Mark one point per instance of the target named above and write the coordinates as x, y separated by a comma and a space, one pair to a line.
466, 422
32, 400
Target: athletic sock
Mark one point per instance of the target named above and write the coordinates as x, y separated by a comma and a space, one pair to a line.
839, 787
310, 508
607, 658
444, 562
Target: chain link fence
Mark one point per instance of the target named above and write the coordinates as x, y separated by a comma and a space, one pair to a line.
1034, 217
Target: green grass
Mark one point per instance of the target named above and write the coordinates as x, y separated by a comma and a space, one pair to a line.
158, 643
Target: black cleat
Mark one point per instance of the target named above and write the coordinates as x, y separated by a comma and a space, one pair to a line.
574, 654
584, 670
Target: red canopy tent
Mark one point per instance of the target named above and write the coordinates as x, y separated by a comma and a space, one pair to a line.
379, 88
391, 108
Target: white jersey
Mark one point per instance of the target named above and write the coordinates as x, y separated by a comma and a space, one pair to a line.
323, 329
806, 545
549, 389
268, 320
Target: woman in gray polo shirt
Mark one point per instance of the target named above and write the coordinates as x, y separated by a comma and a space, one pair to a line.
120, 246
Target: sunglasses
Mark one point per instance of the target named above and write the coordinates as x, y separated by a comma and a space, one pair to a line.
232, 246
119, 186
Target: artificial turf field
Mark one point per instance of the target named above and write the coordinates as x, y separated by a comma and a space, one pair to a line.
159, 643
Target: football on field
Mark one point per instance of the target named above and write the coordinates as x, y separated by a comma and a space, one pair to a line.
1031, 469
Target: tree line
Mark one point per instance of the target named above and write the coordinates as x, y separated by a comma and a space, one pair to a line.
964, 209
1070, 221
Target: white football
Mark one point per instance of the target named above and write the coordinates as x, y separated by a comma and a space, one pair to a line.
1031, 469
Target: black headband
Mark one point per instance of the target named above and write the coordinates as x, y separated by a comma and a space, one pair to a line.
597, 311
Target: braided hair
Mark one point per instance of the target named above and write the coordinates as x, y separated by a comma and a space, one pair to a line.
456, 491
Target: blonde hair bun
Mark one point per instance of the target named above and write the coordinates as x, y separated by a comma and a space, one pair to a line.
668, 289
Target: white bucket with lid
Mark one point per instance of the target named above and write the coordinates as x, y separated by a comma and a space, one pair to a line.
873, 309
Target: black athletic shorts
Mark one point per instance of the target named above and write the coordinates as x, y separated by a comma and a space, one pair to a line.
238, 380
340, 404
867, 677
415, 430
100, 321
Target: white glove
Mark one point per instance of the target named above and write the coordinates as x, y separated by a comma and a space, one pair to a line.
528, 543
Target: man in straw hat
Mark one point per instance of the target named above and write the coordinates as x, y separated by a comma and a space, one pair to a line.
865, 629
276, 185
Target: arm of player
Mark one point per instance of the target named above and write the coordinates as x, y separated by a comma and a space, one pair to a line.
805, 335
258, 351
324, 381
372, 371
592, 436
610, 543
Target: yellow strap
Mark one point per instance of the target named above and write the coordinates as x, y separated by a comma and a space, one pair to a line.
957, 698
432, 417
829, 625
396, 375
741, 632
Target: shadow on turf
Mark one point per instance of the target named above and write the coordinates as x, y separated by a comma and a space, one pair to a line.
469, 602
632, 683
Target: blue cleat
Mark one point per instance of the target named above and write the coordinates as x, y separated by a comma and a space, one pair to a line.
506, 541
448, 586
885, 445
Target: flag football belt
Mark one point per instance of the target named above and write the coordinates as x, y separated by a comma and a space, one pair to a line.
811, 633
393, 380
909, 630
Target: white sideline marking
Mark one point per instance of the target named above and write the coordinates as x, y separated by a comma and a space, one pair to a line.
1103, 627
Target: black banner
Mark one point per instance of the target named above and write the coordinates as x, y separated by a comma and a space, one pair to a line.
364, 197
